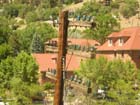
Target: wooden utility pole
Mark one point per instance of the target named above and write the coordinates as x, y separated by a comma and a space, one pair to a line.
62, 50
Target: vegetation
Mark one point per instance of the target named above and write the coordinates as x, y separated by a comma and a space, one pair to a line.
48, 85
24, 29
101, 15
36, 46
116, 78
129, 8
106, 17
18, 74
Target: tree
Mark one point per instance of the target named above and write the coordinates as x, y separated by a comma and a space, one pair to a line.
5, 30
13, 41
105, 24
102, 16
31, 17
24, 93
18, 76
25, 68
11, 10
36, 45
6, 72
129, 8
43, 30
5, 51
115, 77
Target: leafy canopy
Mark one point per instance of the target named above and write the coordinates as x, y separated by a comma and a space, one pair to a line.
116, 77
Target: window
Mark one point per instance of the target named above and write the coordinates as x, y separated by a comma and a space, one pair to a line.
121, 41
110, 42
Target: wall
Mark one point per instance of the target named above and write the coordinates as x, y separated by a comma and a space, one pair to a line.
134, 56
44, 79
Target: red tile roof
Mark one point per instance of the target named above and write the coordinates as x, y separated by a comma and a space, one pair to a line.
46, 61
133, 35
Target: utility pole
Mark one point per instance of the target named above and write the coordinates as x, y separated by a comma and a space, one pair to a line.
62, 50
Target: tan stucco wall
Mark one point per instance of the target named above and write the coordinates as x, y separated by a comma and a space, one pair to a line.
133, 56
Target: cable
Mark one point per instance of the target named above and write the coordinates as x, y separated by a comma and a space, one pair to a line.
69, 61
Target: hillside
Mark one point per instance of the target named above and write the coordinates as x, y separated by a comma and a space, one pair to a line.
124, 22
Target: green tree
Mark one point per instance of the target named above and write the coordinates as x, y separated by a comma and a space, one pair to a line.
5, 30
129, 8
25, 68
6, 72
105, 24
31, 17
36, 45
24, 93
45, 32
102, 16
115, 77
18, 77
5, 51
11, 10
14, 43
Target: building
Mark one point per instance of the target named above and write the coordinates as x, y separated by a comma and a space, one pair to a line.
80, 47
124, 45
48, 63
78, 50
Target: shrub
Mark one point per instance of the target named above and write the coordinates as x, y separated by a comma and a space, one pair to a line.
48, 86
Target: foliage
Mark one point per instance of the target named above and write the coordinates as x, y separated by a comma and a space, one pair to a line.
71, 1
74, 33
5, 30
20, 91
14, 10
31, 17
6, 72
18, 77
115, 77
36, 45
5, 51
129, 8
11, 10
44, 30
13, 41
105, 22
25, 93
45, 14
25, 68
48, 85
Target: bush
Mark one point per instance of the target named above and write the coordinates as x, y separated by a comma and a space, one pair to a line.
129, 8
31, 17
48, 86
11, 10
115, 5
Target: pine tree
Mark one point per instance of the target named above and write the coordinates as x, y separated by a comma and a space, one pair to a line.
36, 45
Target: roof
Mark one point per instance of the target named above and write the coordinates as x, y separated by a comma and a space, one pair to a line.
46, 60
82, 42
133, 35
